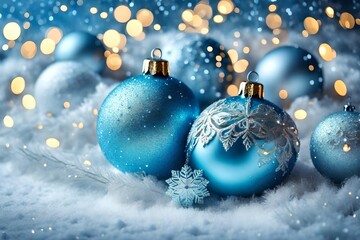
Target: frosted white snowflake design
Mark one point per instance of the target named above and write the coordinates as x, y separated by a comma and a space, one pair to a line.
187, 187
340, 137
232, 120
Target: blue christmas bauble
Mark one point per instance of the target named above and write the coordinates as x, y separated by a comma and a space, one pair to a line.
82, 47
143, 123
244, 145
64, 85
290, 72
204, 65
335, 146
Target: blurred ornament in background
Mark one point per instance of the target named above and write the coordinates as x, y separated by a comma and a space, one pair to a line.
82, 47
243, 144
64, 85
290, 72
202, 64
143, 123
335, 145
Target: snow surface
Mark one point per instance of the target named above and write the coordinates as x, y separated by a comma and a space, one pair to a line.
50, 194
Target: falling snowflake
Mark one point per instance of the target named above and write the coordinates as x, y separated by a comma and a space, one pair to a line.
187, 187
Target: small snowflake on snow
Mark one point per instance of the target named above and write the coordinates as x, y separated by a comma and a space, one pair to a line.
187, 187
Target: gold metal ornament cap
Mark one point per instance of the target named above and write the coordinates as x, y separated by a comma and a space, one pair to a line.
251, 88
155, 65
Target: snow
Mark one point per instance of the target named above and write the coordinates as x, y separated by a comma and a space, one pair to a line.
50, 193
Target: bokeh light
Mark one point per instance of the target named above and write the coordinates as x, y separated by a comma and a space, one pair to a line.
340, 87
122, 14
134, 28
28, 49
17, 85
28, 102
12, 31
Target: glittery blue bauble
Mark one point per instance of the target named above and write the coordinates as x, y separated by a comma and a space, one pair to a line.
243, 146
143, 124
82, 47
335, 146
290, 72
204, 66
64, 82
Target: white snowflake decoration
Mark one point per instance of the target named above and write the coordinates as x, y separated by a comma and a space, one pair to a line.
231, 121
187, 187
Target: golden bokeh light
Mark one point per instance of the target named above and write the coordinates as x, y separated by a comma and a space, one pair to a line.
300, 114
145, 16
225, 6
346, 147
63, 8
233, 54
55, 34
28, 49
273, 21
311, 67
272, 8
157, 27
113, 61
305, 34
329, 12
347, 21
26, 25
187, 15
340, 87
204, 10
104, 15
93, 10
275, 40
12, 31
123, 41
326, 52
8, 121
232, 90
182, 26
17, 85
311, 25
134, 28
67, 104
52, 142
122, 14
28, 102
218, 19
47, 46
111, 38
246, 50
283, 94
241, 66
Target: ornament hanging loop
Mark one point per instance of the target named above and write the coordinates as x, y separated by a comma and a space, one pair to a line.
253, 76
156, 53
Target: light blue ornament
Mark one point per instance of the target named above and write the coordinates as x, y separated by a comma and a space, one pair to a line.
204, 66
64, 82
82, 47
290, 72
143, 123
335, 145
243, 144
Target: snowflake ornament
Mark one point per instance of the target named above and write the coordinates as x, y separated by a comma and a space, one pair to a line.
187, 187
